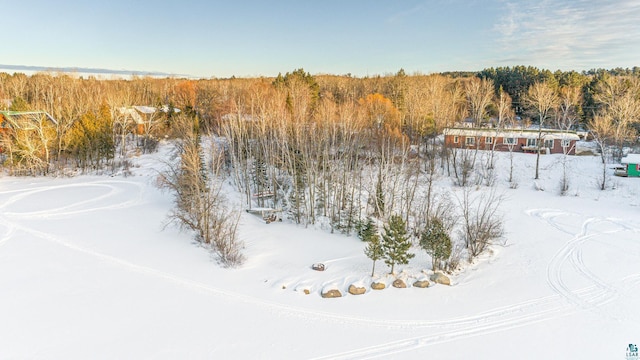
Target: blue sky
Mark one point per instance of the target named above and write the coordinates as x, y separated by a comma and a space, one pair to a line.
253, 38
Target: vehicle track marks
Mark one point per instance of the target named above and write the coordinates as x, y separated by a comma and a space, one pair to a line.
571, 254
435, 331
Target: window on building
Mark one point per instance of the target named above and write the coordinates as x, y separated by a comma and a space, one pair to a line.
470, 141
488, 140
548, 143
509, 141
532, 142
455, 140
565, 143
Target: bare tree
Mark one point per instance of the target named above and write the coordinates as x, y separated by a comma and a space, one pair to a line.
150, 125
542, 100
567, 117
462, 162
200, 205
603, 130
505, 118
482, 225
28, 141
620, 101
479, 93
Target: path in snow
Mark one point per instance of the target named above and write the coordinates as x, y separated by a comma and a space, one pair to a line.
565, 302
529, 312
571, 254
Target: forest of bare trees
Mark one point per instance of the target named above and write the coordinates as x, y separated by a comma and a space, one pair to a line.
325, 149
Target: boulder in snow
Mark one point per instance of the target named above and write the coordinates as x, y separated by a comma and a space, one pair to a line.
399, 283
421, 283
378, 285
303, 289
440, 278
333, 293
356, 290
318, 267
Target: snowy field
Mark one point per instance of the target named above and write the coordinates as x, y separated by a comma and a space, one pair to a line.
88, 270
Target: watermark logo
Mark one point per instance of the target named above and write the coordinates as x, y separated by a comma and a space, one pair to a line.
632, 352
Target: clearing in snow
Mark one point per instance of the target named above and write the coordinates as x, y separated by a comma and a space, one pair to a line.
90, 269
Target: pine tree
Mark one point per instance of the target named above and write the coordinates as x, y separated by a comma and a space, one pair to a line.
396, 243
368, 232
19, 104
106, 147
435, 240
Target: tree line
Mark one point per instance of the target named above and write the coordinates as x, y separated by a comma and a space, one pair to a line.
331, 149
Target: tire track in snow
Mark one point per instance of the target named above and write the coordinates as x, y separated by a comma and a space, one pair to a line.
609, 292
484, 317
59, 211
548, 301
404, 345
549, 216
8, 235
590, 297
495, 320
571, 253
477, 329
480, 329
555, 277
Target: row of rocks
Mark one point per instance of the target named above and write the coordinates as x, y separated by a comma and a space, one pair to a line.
438, 278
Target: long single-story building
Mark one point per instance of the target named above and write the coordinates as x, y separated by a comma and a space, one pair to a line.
517, 140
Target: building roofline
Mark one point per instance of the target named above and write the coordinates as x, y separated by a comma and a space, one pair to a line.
513, 132
10, 113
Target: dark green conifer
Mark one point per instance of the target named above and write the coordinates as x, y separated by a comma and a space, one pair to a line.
396, 243
435, 240
374, 250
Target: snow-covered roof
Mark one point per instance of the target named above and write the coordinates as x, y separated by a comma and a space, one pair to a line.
547, 134
145, 109
631, 159
135, 111
26, 115
165, 108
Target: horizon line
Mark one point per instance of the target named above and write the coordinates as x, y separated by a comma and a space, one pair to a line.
72, 69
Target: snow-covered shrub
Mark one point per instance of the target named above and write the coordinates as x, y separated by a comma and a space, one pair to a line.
482, 225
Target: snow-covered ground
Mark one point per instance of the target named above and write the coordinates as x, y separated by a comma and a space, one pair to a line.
88, 269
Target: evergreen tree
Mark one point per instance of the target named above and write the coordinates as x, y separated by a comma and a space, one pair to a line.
367, 230
297, 196
90, 140
396, 242
374, 250
104, 133
286, 81
19, 104
435, 240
